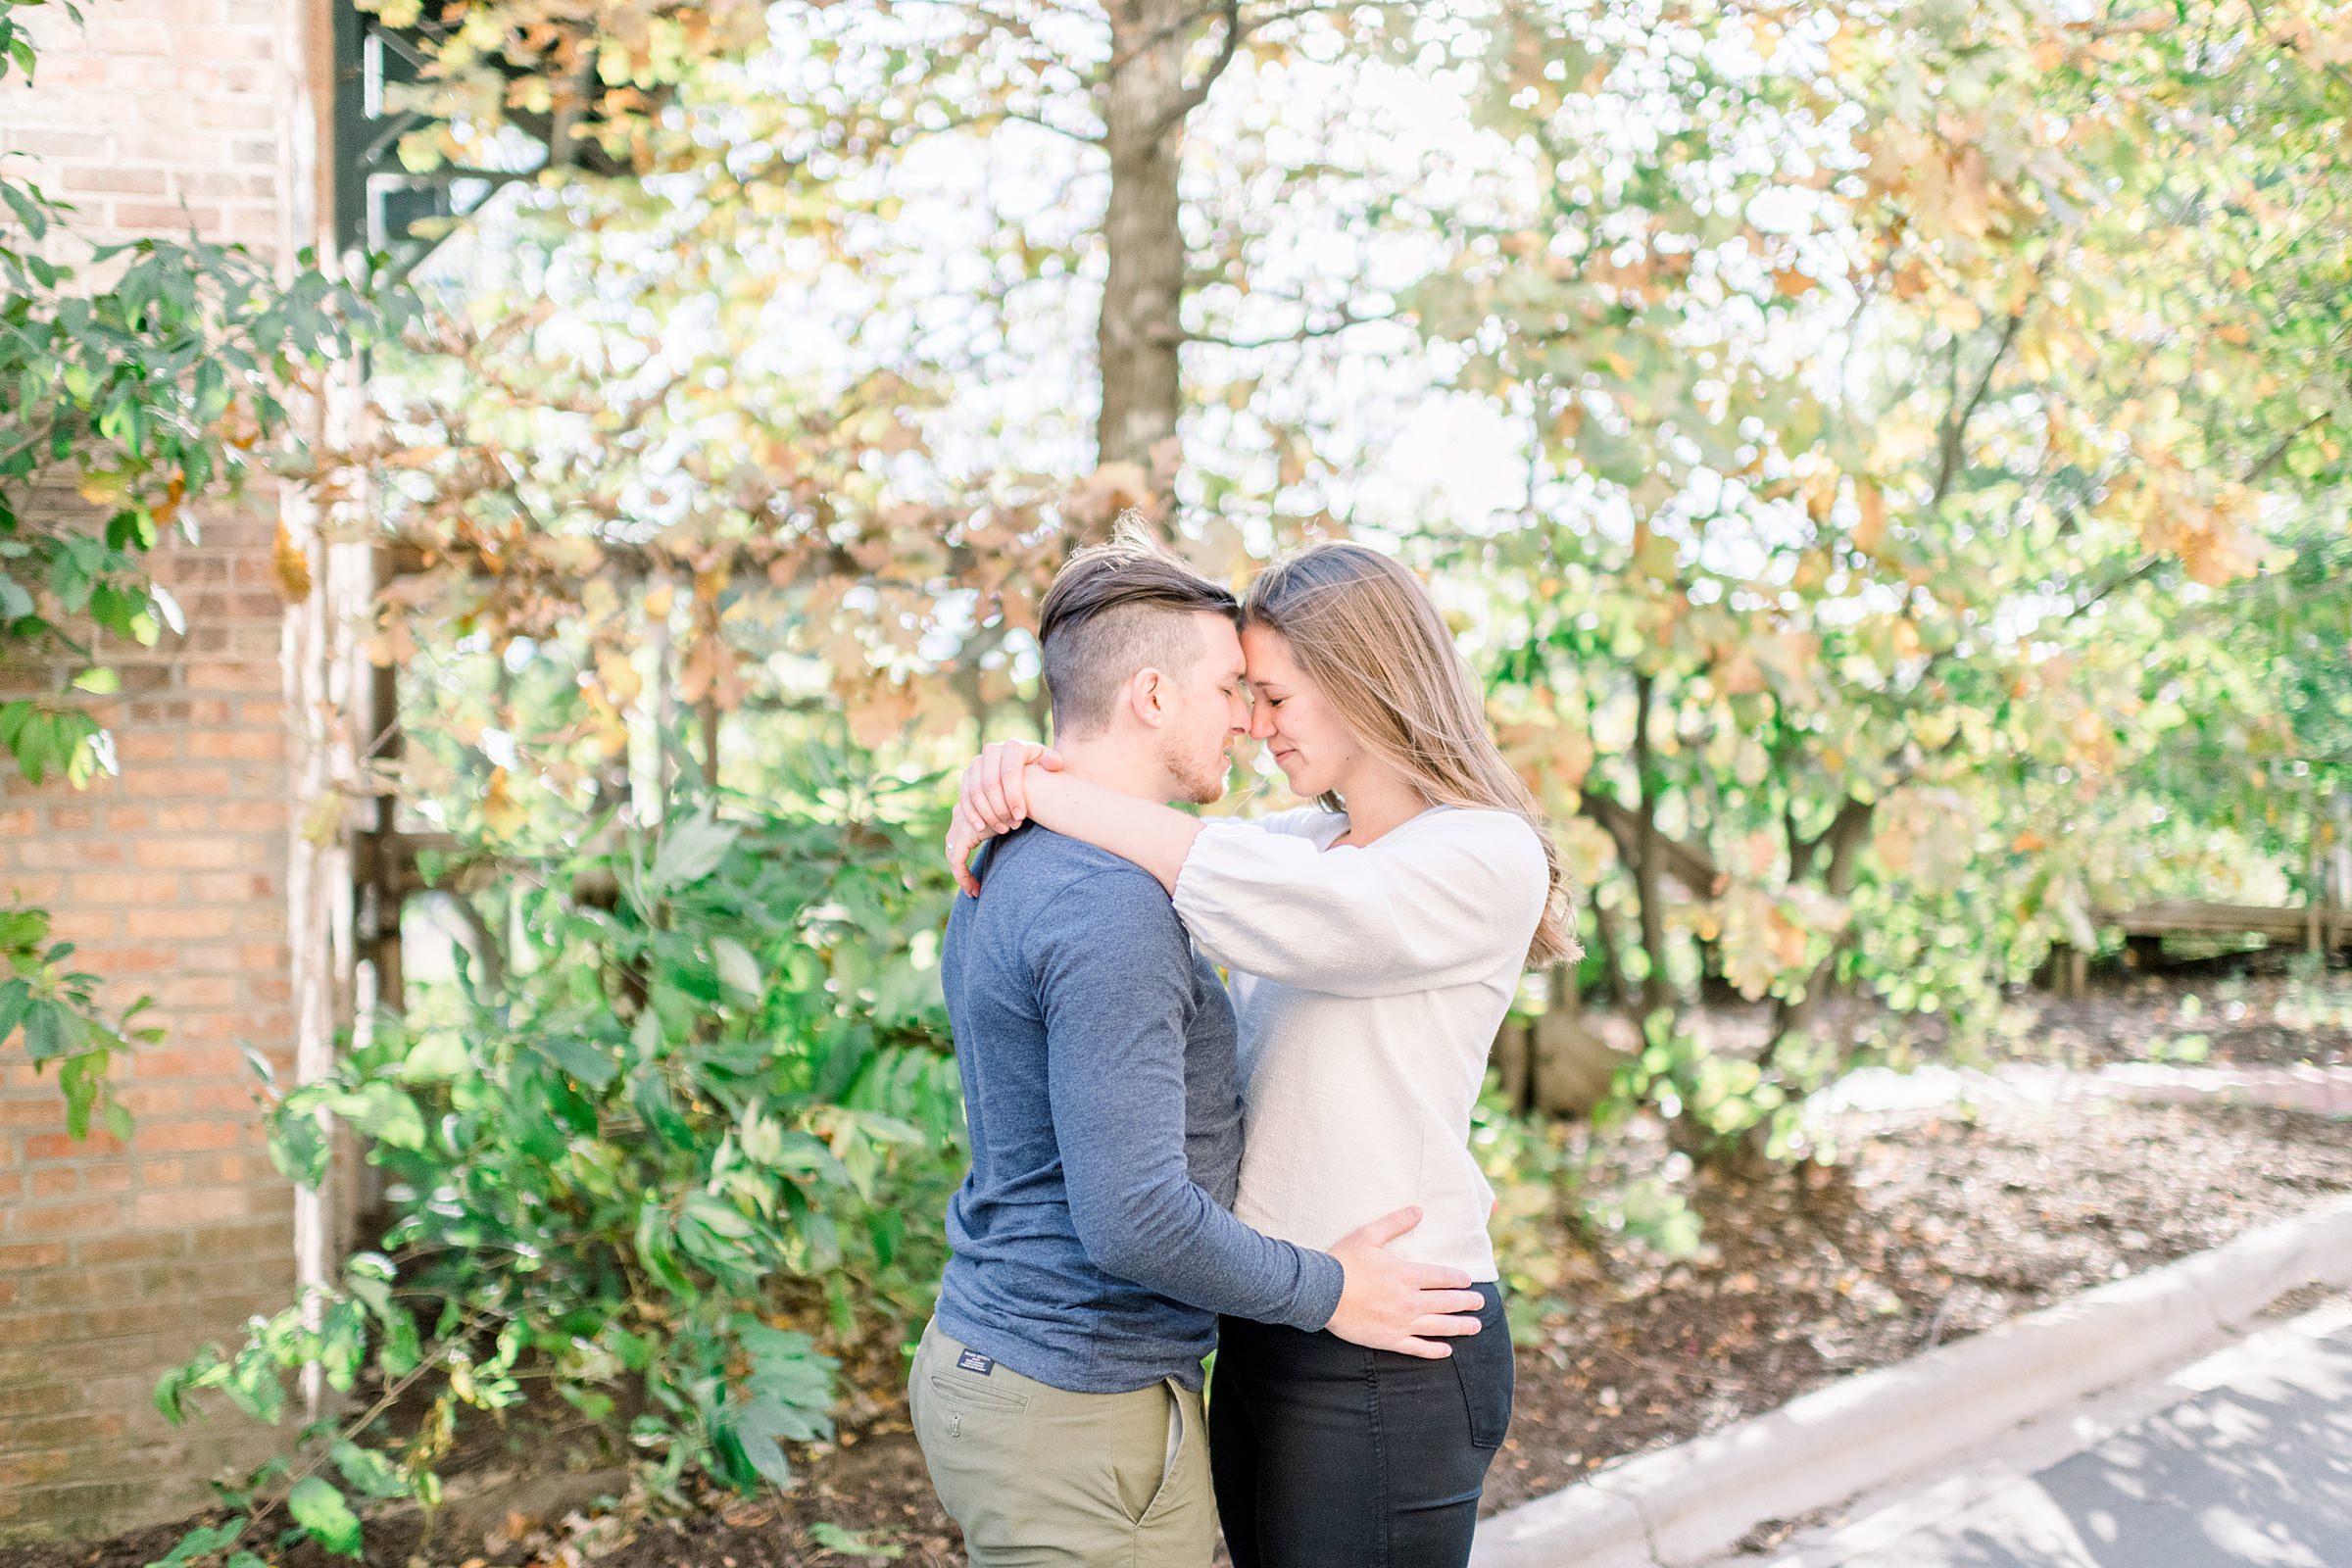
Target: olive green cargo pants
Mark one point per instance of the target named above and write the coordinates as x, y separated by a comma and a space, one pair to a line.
1039, 1477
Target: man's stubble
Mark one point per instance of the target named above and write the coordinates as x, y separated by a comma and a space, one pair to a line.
1196, 783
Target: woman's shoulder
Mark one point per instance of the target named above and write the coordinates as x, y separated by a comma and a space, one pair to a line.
1480, 824
1304, 822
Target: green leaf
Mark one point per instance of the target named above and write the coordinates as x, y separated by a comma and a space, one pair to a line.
28, 211
46, 1026
851, 1542
690, 851
593, 1067
736, 966
202, 1541
101, 680
369, 1473
319, 1508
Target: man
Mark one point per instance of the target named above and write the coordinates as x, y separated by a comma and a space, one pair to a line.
1056, 1394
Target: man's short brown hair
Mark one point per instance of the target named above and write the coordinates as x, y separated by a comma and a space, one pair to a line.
1115, 608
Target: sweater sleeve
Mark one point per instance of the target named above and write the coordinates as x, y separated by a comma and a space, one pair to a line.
1115, 975
1440, 904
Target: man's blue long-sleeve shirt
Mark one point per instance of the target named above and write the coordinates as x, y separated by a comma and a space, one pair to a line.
1092, 1245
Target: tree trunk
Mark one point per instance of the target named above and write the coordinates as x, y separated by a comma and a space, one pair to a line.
1612, 964
1655, 991
1848, 831
1143, 102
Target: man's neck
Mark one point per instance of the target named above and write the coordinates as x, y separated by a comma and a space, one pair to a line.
1116, 764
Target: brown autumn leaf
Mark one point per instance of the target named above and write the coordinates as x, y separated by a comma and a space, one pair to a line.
291, 567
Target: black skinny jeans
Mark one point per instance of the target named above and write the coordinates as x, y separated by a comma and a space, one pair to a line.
1329, 1455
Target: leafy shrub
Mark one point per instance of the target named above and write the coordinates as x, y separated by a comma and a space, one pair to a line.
695, 1135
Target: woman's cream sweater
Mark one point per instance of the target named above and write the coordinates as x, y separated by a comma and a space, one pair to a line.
1369, 983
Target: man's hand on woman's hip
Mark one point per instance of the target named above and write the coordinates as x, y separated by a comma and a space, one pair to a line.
1387, 1303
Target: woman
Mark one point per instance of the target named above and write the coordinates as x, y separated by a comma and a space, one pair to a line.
1373, 944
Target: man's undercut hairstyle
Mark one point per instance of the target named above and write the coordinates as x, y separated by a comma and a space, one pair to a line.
1115, 608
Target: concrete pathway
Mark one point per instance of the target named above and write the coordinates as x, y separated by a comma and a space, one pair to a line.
2244, 1460
1897, 1096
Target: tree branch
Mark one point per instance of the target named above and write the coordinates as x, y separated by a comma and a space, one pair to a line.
2270, 461
1195, 96
1347, 319
1955, 423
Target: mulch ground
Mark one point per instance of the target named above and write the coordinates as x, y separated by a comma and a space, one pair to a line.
2258, 1020
1935, 1228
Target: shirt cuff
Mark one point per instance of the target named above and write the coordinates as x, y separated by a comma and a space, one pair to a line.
1320, 1280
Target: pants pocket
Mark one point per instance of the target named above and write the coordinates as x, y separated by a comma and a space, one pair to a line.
967, 1390
1142, 1476
1483, 1365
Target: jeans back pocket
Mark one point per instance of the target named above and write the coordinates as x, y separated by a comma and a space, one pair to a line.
1483, 1362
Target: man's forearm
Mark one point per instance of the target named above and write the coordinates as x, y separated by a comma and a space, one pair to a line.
1186, 1247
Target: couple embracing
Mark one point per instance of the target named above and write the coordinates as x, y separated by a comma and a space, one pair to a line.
1275, 1167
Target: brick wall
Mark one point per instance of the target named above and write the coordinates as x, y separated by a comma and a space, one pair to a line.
117, 1263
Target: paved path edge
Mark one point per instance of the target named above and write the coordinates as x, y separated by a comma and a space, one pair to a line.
1683, 1505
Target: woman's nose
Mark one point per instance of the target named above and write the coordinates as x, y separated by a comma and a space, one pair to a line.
1262, 719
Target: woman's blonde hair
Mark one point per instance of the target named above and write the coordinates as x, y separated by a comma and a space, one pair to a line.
1366, 632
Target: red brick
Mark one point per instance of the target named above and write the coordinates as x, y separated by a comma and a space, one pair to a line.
52, 1219
132, 181
237, 677
180, 922
183, 819
197, 991
148, 746
128, 819
181, 1137
93, 887
181, 1061
99, 1251
263, 186
30, 1469
67, 853
126, 960
153, 1100
72, 924
203, 151
163, 782
190, 1207
17, 821
58, 1181
204, 854
73, 818
248, 745
37, 1399
158, 218
251, 817
22, 1256
65, 1146
39, 891
231, 886
224, 1099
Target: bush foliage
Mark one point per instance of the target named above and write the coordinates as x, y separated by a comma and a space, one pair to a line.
699, 1135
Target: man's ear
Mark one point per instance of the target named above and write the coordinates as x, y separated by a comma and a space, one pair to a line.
1147, 693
